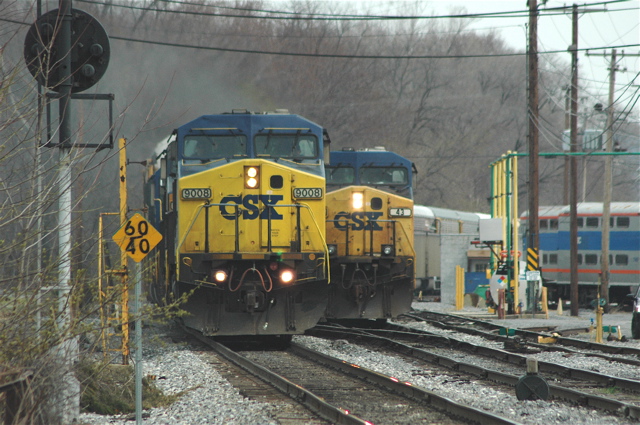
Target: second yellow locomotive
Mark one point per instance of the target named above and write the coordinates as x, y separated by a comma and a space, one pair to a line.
370, 234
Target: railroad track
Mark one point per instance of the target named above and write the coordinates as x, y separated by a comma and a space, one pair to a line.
488, 330
345, 393
576, 386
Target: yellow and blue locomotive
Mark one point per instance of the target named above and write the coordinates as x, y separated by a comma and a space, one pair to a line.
370, 234
239, 200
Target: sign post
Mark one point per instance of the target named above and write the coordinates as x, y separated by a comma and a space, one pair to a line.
136, 238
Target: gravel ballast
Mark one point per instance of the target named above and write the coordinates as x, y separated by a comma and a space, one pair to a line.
209, 398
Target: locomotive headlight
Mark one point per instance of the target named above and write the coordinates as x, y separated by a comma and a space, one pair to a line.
387, 249
251, 177
287, 276
220, 275
357, 200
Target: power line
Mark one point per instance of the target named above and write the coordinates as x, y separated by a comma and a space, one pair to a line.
336, 17
330, 55
317, 55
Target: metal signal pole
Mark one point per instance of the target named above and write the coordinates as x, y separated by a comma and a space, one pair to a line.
533, 241
68, 348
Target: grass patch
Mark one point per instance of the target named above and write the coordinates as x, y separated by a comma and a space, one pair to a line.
109, 389
610, 390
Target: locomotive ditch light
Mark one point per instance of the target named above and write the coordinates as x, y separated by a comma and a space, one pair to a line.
357, 200
287, 276
333, 249
220, 276
251, 177
387, 250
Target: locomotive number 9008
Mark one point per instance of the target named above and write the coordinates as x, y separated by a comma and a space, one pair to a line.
204, 193
307, 193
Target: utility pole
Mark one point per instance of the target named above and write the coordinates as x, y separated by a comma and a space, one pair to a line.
567, 126
533, 240
606, 205
608, 178
573, 165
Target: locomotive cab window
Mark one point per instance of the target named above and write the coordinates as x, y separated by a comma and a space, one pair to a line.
340, 175
291, 146
204, 147
384, 175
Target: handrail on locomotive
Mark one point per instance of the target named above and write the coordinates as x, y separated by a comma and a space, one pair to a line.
238, 210
371, 236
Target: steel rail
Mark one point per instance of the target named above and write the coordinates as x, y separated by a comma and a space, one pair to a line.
338, 415
406, 389
305, 397
579, 397
542, 347
518, 359
587, 345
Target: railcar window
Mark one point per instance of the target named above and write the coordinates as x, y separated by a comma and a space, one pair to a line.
340, 175
579, 259
545, 259
592, 222
553, 258
553, 223
622, 221
202, 147
580, 222
622, 260
293, 146
591, 259
383, 175
544, 224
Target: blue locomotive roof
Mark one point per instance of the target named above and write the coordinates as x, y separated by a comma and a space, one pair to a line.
374, 158
211, 141
378, 168
248, 123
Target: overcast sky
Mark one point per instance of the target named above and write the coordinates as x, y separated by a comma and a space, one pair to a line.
618, 26
595, 30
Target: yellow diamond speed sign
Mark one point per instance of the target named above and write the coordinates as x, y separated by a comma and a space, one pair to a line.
137, 237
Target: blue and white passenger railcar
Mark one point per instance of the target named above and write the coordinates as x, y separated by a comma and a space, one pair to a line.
555, 248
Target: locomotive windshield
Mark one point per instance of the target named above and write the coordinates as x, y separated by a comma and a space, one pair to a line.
340, 175
293, 146
202, 147
384, 175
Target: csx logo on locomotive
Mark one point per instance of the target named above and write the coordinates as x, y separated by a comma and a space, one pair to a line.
252, 205
357, 220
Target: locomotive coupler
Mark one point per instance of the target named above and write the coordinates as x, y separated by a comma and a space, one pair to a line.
254, 301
